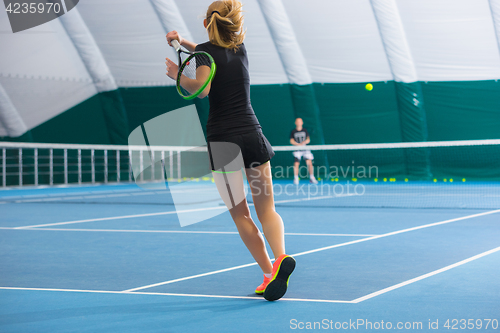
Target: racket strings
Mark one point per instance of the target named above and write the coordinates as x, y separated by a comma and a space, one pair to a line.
190, 65
193, 62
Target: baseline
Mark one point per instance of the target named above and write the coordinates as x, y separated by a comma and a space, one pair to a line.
174, 294
320, 249
179, 232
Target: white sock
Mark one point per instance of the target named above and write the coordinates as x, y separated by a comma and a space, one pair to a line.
270, 275
295, 177
311, 177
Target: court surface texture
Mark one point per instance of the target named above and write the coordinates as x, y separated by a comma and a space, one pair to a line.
115, 259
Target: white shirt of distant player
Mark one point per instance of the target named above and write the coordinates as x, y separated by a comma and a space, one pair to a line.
299, 137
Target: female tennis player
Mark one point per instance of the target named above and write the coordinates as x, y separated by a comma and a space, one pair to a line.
232, 120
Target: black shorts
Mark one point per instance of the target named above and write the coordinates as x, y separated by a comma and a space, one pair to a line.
253, 147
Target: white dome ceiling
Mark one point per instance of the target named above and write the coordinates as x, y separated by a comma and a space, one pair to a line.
50, 68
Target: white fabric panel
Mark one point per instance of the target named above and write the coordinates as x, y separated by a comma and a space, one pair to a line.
193, 13
88, 50
495, 13
42, 73
451, 39
131, 39
11, 123
266, 66
38, 100
285, 41
340, 40
170, 17
265, 63
394, 39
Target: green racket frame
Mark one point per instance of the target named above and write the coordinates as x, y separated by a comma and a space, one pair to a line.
213, 69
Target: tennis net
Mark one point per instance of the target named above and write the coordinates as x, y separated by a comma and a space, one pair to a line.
452, 174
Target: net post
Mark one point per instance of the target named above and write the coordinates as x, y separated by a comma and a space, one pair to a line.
141, 164
153, 176
51, 166
20, 167
163, 165
65, 166
171, 163
92, 163
178, 165
130, 165
79, 166
36, 166
105, 166
4, 167
118, 166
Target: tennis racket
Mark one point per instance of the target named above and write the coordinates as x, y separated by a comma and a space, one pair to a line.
193, 80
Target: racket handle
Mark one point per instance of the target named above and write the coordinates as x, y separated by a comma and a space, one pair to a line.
175, 44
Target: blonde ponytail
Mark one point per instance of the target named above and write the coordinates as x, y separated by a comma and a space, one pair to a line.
225, 24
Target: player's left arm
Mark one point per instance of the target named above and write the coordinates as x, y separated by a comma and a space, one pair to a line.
190, 85
202, 73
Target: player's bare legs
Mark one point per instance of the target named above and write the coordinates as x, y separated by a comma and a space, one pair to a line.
238, 208
296, 173
296, 169
310, 167
261, 184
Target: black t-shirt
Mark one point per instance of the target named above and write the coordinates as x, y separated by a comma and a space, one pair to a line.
230, 108
299, 136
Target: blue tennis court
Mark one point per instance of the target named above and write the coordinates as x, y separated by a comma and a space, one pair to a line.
114, 259
155, 155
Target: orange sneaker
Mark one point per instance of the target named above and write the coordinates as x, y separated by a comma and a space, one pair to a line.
282, 268
260, 289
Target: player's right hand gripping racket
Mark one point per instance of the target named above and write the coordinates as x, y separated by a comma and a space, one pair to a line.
188, 67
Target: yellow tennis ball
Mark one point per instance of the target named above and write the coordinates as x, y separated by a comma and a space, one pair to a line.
369, 86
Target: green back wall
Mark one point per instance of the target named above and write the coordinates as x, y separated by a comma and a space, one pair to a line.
349, 113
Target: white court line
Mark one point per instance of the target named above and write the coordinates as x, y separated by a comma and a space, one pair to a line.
405, 283
72, 198
150, 214
190, 277
128, 231
89, 195
174, 294
120, 217
340, 235
304, 199
399, 232
322, 249
357, 300
118, 195
176, 231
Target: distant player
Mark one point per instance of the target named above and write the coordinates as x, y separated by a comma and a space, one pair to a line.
300, 137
